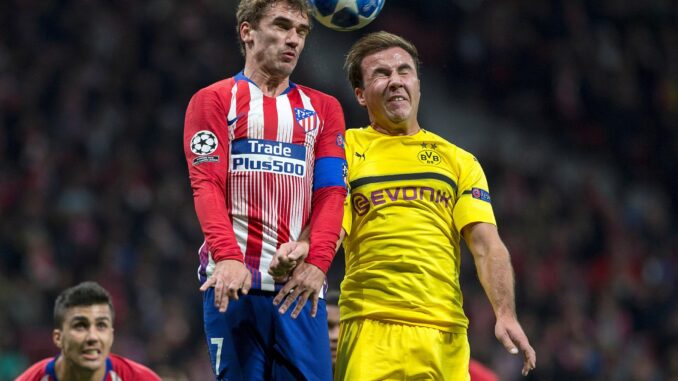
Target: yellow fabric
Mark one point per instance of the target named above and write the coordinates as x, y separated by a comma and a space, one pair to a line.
370, 350
410, 196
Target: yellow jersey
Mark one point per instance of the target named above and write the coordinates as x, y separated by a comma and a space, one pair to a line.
410, 196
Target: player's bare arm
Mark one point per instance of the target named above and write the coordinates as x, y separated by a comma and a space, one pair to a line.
495, 272
230, 276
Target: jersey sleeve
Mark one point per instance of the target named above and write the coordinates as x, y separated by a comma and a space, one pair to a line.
474, 203
347, 221
129, 370
142, 373
329, 187
205, 147
35, 373
330, 158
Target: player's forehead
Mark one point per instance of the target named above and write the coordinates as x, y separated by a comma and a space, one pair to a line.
91, 313
282, 10
391, 58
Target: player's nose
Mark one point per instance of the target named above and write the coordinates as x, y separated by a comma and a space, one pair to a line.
395, 81
293, 38
92, 335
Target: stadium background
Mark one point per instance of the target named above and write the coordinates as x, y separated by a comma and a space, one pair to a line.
571, 106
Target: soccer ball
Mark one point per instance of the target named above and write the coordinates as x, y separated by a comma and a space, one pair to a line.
345, 15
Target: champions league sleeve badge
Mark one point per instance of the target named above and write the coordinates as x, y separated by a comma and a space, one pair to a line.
203, 143
481, 194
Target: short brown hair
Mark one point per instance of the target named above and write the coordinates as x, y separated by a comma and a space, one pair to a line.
370, 44
83, 295
252, 11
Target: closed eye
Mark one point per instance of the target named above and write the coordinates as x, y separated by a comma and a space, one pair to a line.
380, 72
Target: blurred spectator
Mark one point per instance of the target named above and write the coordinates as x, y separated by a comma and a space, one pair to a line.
480, 372
332, 305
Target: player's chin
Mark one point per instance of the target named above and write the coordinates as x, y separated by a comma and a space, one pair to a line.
399, 112
92, 365
286, 66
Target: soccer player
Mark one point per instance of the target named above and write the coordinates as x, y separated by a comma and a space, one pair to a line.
413, 196
83, 331
266, 158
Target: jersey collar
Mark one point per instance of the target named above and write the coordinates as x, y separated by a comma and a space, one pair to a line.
51, 371
242, 77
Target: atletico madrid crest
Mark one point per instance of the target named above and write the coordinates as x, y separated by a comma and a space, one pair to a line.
307, 119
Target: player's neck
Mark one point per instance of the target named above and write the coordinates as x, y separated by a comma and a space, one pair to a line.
64, 372
406, 129
269, 84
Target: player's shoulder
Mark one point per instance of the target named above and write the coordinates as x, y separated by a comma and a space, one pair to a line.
35, 372
357, 140
432, 137
216, 94
130, 370
451, 149
358, 133
219, 87
317, 95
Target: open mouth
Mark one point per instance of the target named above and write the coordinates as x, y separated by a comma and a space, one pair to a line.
91, 354
397, 98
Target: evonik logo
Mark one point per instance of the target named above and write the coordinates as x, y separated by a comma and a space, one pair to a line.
362, 203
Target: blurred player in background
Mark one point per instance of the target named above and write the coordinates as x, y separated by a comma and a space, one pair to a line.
480, 372
83, 331
413, 195
265, 158
332, 300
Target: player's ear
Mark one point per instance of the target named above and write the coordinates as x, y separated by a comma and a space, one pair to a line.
360, 96
246, 32
56, 337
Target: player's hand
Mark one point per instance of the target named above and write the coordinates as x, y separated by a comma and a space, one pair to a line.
306, 282
286, 258
511, 335
229, 277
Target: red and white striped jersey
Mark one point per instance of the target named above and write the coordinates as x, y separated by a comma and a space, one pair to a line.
254, 163
118, 368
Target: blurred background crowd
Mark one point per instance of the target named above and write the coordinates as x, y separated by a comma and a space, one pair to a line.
571, 107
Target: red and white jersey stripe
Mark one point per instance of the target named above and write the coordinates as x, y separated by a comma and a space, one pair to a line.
118, 368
